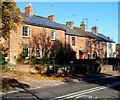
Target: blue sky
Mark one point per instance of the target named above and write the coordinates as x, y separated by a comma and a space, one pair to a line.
106, 12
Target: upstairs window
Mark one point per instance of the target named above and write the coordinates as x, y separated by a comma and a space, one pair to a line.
25, 31
73, 40
53, 35
26, 53
101, 46
88, 43
39, 53
110, 45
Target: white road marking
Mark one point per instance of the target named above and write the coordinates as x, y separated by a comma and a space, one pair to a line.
82, 96
20, 90
80, 93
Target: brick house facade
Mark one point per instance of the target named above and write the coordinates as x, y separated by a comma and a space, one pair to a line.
87, 45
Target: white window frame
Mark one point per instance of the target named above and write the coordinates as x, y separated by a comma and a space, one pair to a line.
27, 31
40, 52
101, 45
53, 35
27, 57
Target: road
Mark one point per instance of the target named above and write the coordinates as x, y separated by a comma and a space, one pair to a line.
108, 87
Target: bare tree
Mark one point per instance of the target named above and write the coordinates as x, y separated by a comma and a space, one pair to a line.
41, 40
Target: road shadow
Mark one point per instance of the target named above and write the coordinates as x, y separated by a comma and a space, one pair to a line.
102, 79
11, 84
95, 79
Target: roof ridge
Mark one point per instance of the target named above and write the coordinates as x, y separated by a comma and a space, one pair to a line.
40, 17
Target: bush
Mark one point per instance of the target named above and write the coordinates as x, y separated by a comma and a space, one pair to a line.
21, 57
3, 62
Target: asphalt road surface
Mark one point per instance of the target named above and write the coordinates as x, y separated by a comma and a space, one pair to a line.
101, 88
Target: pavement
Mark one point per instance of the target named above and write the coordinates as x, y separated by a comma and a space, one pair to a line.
36, 83
106, 88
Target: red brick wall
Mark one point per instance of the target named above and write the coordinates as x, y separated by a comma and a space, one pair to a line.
81, 44
16, 39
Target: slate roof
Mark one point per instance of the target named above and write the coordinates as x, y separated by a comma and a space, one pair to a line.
40, 21
69, 31
104, 37
82, 32
79, 32
100, 37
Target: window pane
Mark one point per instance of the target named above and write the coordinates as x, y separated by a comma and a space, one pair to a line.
89, 55
94, 55
88, 42
52, 53
73, 40
53, 35
100, 45
25, 31
39, 53
100, 55
26, 53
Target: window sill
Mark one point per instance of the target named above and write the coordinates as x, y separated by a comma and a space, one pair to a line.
73, 45
53, 40
25, 36
26, 57
39, 57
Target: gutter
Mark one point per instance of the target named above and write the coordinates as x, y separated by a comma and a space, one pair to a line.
39, 25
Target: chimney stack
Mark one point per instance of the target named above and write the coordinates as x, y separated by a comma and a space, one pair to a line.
52, 17
83, 26
69, 24
95, 29
29, 9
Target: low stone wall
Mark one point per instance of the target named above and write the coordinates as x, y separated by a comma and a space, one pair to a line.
106, 68
32, 68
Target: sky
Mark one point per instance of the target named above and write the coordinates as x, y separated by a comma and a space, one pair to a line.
106, 14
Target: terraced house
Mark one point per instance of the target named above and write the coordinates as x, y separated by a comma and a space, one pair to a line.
38, 34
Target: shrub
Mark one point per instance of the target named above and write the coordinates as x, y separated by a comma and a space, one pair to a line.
21, 57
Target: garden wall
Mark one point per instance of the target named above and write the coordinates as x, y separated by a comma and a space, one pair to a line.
106, 68
31, 68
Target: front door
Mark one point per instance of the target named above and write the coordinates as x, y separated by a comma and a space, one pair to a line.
80, 54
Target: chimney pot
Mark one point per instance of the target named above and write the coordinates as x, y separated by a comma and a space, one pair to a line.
29, 9
69, 24
95, 29
83, 26
52, 17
